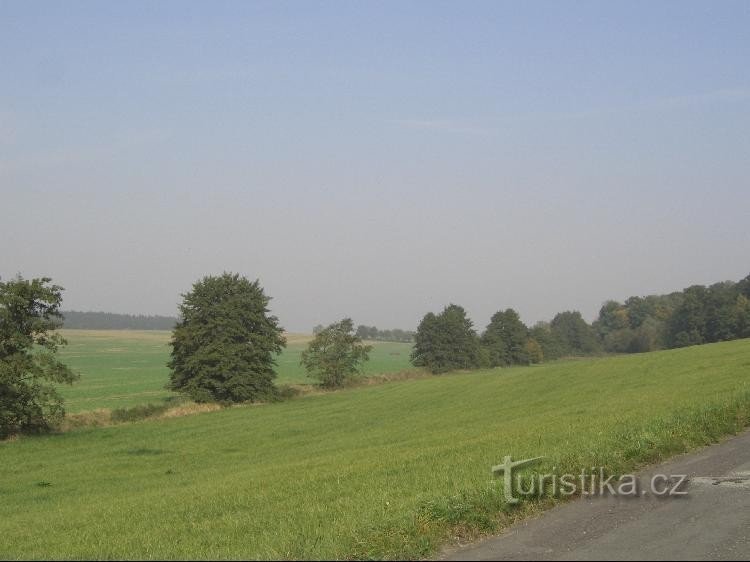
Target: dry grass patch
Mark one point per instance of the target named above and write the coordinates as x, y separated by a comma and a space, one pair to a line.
96, 418
292, 338
190, 409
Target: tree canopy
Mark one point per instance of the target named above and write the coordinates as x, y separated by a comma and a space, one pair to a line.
696, 315
505, 339
446, 342
335, 354
395, 335
29, 368
574, 334
224, 346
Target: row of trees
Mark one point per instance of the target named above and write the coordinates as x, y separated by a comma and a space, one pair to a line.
111, 321
395, 335
374, 334
447, 341
225, 344
223, 349
699, 314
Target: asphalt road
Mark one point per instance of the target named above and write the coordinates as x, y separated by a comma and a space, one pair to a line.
710, 522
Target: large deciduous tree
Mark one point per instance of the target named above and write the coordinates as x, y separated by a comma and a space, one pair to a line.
505, 339
446, 342
224, 346
29, 368
335, 354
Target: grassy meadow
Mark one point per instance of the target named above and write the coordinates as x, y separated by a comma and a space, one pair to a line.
392, 470
124, 368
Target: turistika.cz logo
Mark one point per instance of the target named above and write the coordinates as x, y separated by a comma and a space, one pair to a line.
591, 482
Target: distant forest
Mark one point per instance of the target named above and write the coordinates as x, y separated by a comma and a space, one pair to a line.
110, 321
372, 333
696, 315
396, 335
447, 341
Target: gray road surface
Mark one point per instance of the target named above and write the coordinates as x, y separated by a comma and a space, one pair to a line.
712, 522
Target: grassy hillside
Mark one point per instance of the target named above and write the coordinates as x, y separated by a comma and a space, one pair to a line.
379, 471
121, 368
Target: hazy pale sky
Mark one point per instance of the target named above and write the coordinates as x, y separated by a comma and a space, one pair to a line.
375, 159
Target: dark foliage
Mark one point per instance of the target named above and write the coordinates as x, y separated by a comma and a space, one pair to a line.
505, 340
335, 354
29, 369
224, 347
446, 342
110, 321
395, 335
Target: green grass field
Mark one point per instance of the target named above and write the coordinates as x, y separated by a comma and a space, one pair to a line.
123, 368
384, 471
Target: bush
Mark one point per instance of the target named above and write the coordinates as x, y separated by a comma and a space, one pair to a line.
287, 392
137, 413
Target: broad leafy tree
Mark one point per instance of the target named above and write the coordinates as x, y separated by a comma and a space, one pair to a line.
549, 341
613, 316
709, 314
576, 336
720, 307
224, 346
446, 342
335, 354
505, 339
687, 325
638, 325
29, 368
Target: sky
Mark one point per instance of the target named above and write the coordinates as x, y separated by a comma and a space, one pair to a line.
375, 160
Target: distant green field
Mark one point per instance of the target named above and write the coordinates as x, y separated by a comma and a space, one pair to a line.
121, 368
382, 471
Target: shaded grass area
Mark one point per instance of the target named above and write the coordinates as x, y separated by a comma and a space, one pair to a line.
128, 368
384, 471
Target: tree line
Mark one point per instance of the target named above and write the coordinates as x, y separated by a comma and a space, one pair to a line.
395, 335
696, 315
78, 320
372, 333
225, 343
448, 341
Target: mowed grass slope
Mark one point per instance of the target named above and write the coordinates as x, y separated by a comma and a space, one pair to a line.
123, 368
382, 471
